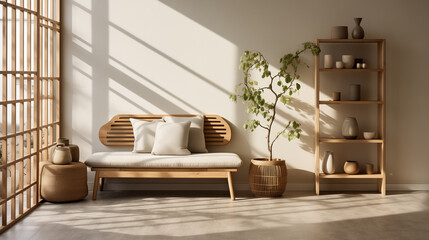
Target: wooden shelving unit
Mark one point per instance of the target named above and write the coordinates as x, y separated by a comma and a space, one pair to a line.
381, 114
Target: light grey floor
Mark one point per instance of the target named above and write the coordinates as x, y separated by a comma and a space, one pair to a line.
206, 215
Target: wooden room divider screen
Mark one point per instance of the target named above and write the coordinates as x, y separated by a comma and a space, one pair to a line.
30, 106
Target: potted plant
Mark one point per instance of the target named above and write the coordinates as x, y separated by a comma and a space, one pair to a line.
268, 176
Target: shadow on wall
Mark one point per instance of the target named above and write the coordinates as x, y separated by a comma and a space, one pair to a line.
220, 18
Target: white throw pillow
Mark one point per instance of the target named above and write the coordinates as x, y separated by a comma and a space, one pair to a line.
171, 139
144, 134
197, 142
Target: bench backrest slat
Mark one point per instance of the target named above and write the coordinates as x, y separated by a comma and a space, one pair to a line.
119, 132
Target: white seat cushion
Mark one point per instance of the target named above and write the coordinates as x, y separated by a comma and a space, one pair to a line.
147, 160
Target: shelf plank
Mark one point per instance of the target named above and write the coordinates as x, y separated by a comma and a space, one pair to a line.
341, 140
344, 175
350, 102
350, 40
350, 70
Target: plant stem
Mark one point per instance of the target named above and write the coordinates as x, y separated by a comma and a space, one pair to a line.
270, 146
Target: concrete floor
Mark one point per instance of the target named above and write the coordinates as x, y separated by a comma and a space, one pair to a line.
207, 215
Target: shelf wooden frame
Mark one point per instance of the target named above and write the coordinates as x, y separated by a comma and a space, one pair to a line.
351, 102
341, 140
349, 70
381, 113
355, 176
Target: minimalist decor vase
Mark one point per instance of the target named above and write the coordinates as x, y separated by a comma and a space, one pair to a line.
336, 96
351, 167
74, 149
350, 129
354, 92
339, 64
329, 61
358, 32
267, 178
369, 168
339, 32
328, 164
348, 60
61, 155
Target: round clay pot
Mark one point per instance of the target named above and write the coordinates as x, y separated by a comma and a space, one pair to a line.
351, 167
349, 61
61, 155
267, 178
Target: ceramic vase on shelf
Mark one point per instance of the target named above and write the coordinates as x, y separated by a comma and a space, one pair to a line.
61, 155
329, 61
350, 129
349, 61
328, 164
351, 167
339, 32
358, 32
354, 92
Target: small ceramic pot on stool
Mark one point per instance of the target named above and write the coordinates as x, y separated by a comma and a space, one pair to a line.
74, 149
61, 155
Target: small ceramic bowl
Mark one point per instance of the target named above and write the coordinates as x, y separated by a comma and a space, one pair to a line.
368, 135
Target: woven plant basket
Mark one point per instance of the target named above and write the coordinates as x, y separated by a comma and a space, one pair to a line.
267, 178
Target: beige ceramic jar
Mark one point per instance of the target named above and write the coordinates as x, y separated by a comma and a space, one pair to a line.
61, 155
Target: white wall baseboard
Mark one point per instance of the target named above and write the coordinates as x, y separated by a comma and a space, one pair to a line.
246, 187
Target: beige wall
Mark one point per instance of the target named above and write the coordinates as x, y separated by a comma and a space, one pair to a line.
182, 57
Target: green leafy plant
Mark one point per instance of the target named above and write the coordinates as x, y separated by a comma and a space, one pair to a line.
263, 97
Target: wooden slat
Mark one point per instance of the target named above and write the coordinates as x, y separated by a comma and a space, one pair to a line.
350, 40
161, 174
341, 140
167, 169
349, 70
13, 123
58, 66
119, 132
350, 102
17, 72
50, 27
4, 115
5, 102
21, 111
28, 120
316, 122
344, 175
36, 116
50, 93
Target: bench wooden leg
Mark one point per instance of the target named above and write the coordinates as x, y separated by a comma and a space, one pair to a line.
231, 187
96, 182
102, 184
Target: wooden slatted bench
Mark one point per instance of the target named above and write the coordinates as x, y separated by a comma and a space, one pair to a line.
119, 132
